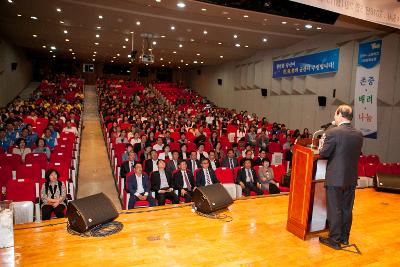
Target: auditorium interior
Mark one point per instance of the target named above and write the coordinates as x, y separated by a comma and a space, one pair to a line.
187, 132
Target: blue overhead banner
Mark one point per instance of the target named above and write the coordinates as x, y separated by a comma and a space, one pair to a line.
321, 62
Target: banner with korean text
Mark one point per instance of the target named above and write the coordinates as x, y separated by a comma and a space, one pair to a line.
317, 63
366, 88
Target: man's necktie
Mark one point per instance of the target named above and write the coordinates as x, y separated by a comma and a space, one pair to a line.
193, 166
231, 163
132, 166
208, 178
249, 175
189, 186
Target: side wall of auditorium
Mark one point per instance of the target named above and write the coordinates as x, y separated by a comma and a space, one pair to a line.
12, 82
294, 101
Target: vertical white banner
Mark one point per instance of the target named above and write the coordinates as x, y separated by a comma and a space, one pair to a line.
366, 88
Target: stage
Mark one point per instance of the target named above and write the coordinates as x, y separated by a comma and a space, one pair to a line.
175, 236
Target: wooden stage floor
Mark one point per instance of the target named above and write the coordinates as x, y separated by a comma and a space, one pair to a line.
174, 236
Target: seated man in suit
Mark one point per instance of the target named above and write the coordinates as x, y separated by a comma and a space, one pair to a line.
230, 161
184, 182
193, 163
261, 156
140, 146
128, 166
247, 179
173, 164
249, 156
151, 164
139, 187
205, 176
214, 163
162, 185
167, 138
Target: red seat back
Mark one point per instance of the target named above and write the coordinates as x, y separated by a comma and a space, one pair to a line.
5, 175
13, 160
29, 171
39, 158
224, 175
21, 190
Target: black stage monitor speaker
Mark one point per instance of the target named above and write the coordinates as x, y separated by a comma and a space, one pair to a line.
387, 182
88, 212
219, 81
264, 92
322, 101
211, 198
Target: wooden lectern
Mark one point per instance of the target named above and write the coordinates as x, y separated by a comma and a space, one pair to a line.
307, 200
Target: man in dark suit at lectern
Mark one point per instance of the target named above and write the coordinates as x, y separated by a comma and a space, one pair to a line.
341, 146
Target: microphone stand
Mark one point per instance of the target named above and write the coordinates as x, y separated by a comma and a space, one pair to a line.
313, 137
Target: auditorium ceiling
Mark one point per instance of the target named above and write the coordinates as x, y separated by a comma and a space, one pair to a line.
183, 33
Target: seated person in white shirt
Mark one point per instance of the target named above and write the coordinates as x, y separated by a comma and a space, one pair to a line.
200, 152
69, 128
214, 162
151, 164
248, 147
159, 145
128, 165
206, 175
184, 182
162, 185
122, 138
135, 139
139, 187
166, 154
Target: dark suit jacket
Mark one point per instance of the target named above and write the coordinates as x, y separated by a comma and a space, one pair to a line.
170, 167
225, 162
181, 155
148, 168
132, 183
258, 162
243, 159
241, 176
201, 179
125, 169
137, 147
156, 181
342, 147
189, 164
216, 163
178, 180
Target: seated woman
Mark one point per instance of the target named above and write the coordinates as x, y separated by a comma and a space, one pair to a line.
184, 154
166, 154
200, 152
42, 148
53, 194
125, 156
266, 176
21, 149
219, 153
122, 138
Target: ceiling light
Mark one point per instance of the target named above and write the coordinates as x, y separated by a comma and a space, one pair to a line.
147, 64
264, 40
219, 43
235, 36
158, 1
100, 17
70, 50
197, 54
19, 15
58, 9
319, 28
65, 31
10, 1
43, 46
114, 57
96, 43
112, 61
191, 39
52, 47
124, 46
161, 59
284, 22
94, 55
74, 58
67, 40
225, 12
172, 28
308, 26
94, 59
73, 53
154, 42
51, 51
181, 60
187, 64
169, 62
33, 17
97, 35
195, 61
181, 5
150, 49
174, 52
34, 35
204, 9
62, 22
162, 65
205, 32
126, 39
297, 29
138, 23
98, 27
245, 16
94, 52
54, 55
180, 45
118, 55
237, 45
129, 56
228, 18
201, 62
179, 67
162, 36
221, 56
246, 46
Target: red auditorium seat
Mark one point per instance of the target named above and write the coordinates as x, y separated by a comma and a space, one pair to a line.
370, 169
396, 168
13, 160
39, 158
362, 159
360, 169
274, 147
384, 168
63, 169
21, 190
5, 175
191, 147
61, 157
29, 171
224, 175
373, 159
279, 171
